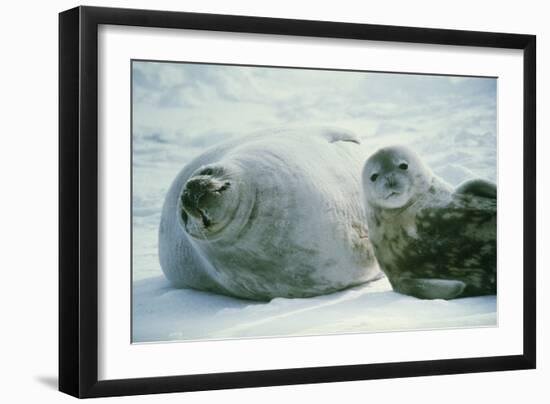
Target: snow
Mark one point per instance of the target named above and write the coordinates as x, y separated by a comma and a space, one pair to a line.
162, 313
181, 109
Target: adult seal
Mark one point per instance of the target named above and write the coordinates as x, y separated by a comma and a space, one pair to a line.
276, 214
432, 241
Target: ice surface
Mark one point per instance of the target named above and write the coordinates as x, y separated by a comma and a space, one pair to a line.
181, 109
162, 313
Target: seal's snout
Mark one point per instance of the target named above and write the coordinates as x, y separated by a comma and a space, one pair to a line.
393, 182
390, 180
196, 187
201, 194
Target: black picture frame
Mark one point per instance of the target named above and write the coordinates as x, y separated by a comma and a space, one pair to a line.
78, 200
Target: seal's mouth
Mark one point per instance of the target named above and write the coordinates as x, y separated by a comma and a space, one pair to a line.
206, 222
197, 221
197, 213
392, 194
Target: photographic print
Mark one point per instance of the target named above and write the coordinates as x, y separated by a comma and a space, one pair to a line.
281, 201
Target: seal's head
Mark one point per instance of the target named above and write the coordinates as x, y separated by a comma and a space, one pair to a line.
209, 201
393, 177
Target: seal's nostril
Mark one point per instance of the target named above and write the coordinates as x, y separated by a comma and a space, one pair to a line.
390, 180
206, 171
193, 191
196, 187
192, 186
225, 186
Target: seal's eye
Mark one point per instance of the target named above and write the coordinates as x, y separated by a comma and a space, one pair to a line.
403, 166
373, 177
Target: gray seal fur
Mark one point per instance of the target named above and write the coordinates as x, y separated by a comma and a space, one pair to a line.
432, 241
277, 214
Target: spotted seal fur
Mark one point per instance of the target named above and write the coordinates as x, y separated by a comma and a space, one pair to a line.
432, 241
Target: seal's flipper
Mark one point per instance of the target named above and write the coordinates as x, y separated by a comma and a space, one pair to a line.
340, 135
328, 133
478, 187
430, 288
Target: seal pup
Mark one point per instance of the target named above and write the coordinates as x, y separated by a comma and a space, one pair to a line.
430, 240
276, 214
